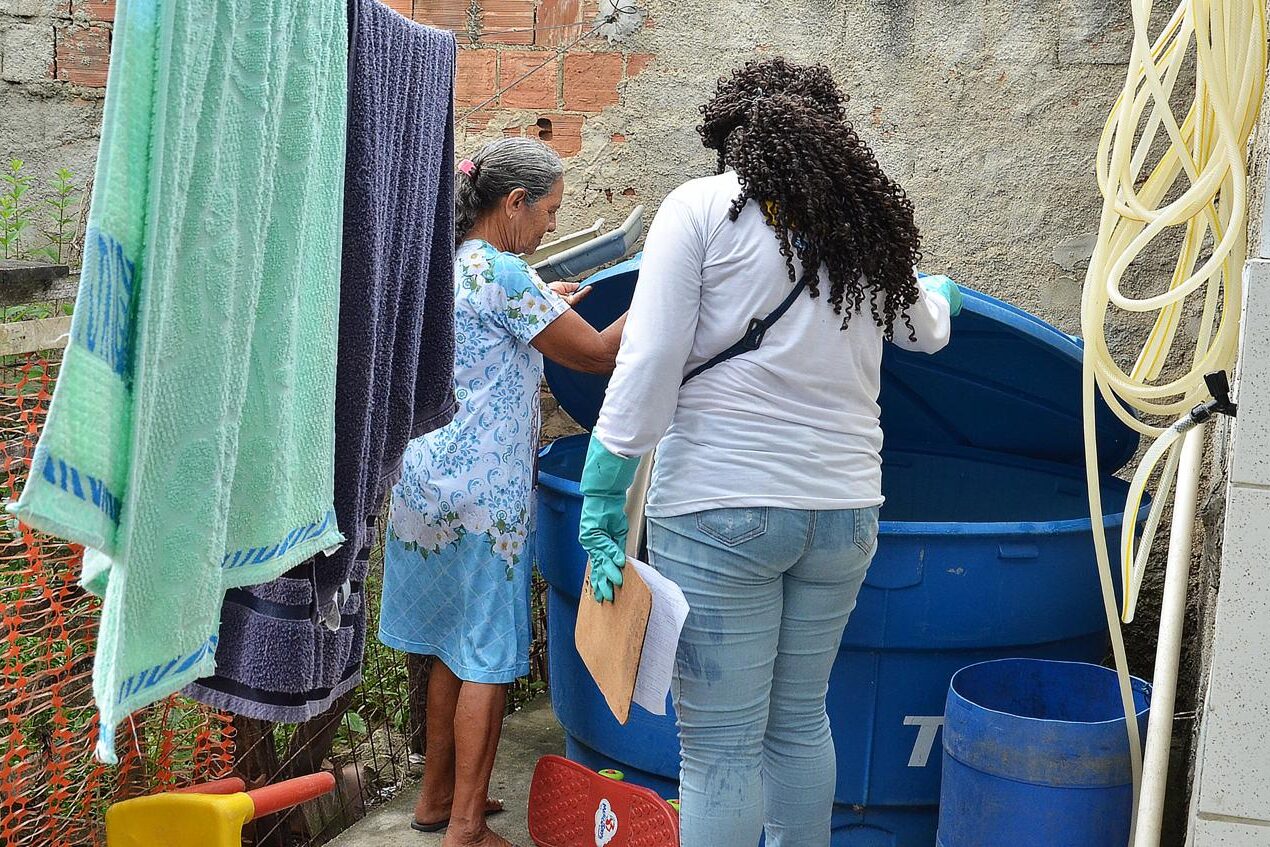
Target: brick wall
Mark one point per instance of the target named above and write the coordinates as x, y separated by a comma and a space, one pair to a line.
533, 68
526, 67
63, 40
515, 77
53, 60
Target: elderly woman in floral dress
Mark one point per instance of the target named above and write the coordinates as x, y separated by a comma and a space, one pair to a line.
457, 563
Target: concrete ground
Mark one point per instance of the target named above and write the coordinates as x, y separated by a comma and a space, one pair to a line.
527, 735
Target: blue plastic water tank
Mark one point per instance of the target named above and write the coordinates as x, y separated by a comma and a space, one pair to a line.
1042, 745
985, 552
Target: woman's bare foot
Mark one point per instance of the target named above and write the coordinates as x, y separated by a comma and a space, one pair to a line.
429, 814
484, 837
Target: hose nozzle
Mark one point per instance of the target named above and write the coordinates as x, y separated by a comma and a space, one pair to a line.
1218, 386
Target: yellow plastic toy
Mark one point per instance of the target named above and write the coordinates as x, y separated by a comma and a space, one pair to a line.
209, 815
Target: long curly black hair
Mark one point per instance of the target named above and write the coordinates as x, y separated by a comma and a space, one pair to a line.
783, 129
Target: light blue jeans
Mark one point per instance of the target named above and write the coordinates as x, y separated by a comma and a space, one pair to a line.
770, 592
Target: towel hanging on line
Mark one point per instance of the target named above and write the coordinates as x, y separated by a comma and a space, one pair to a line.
290, 648
190, 441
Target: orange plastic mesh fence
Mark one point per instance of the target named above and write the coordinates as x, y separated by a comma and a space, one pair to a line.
52, 792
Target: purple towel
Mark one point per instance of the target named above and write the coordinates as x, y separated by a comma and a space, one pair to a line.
290, 648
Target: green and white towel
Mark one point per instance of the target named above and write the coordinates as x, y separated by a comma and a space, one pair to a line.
190, 442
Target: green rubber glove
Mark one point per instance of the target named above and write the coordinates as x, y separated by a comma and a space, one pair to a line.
946, 288
602, 529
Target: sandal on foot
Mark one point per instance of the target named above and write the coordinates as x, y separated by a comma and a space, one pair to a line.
418, 826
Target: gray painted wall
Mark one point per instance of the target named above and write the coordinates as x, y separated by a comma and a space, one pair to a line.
987, 112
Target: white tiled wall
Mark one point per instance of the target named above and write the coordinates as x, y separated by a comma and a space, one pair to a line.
1231, 804
1212, 833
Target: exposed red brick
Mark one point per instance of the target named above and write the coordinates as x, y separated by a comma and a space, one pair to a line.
402, 7
507, 21
591, 81
618, 138
97, 10
477, 123
513, 131
83, 55
562, 132
445, 14
559, 22
475, 79
630, 192
637, 62
537, 88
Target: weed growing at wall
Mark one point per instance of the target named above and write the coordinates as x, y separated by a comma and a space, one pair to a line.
40, 228
61, 209
15, 209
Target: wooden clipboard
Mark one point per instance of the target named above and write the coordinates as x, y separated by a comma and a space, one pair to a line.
610, 638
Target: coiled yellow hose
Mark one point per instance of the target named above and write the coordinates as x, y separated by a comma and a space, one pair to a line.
1192, 202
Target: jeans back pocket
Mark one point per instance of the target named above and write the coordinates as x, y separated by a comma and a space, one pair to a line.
866, 529
731, 527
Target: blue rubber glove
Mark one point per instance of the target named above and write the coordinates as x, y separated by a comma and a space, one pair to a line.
946, 288
602, 529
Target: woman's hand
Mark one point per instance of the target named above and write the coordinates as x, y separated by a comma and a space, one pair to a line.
569, 291
570, 341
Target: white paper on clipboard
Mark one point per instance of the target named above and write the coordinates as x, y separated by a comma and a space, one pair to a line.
661, 639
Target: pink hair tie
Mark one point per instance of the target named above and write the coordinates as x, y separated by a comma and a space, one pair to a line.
467, 166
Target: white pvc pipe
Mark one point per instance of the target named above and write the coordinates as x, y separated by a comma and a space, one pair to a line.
1159, 741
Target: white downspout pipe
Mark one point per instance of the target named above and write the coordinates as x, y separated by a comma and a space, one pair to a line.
1168, 651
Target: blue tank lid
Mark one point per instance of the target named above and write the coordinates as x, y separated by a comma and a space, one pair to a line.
1007, 382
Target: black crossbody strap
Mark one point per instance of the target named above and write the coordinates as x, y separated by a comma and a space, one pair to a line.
753, 337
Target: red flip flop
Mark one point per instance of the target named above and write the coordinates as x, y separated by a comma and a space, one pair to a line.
571, 805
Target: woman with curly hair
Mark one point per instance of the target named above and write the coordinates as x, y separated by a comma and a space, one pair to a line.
765, 494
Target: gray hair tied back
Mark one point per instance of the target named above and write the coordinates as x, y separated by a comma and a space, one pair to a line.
501, 167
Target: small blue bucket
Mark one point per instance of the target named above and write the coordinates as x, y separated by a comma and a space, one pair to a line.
1036, 752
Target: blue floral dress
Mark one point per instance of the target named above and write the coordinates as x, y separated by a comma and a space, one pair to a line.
457, 557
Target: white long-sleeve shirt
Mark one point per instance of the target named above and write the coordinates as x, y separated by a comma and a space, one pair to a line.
793, 424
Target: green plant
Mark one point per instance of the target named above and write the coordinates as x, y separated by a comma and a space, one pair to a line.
57, 217
62, 218
27, 312
15, 211
352, 729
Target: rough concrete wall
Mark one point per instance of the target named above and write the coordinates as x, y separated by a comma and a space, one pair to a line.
53, 60
987, 111
1201, 613
1259, 184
